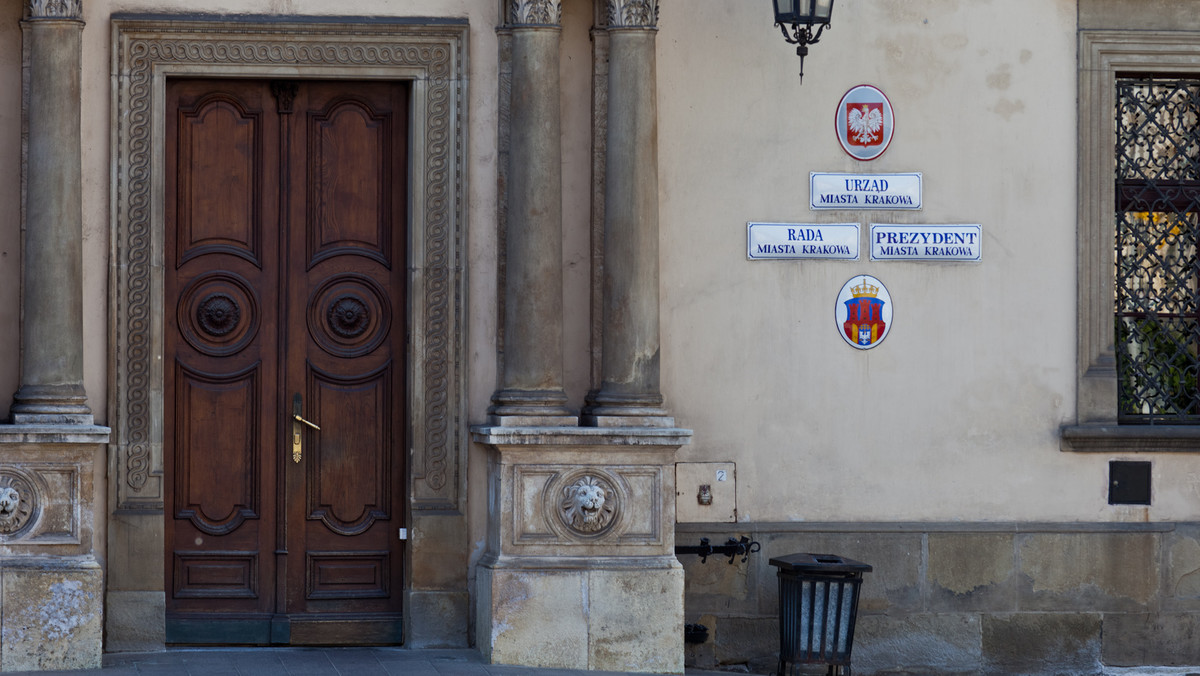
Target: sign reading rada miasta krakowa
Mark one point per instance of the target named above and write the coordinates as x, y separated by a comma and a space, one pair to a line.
838, 241
864, 191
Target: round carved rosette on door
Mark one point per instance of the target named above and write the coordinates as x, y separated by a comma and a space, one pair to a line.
218, 314
349, 315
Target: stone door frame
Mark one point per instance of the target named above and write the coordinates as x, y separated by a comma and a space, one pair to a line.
429, 53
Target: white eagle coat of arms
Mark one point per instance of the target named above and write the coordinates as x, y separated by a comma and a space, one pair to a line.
864, 124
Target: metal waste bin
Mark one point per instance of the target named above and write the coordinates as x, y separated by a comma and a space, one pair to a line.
818, 604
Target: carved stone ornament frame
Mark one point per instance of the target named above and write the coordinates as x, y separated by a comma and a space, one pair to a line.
431, 54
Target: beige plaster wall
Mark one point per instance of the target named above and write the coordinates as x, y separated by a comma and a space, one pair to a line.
956, 414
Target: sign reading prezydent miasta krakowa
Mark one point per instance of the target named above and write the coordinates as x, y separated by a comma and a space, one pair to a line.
926, 242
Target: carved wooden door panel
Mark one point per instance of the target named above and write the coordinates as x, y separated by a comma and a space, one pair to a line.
285, 372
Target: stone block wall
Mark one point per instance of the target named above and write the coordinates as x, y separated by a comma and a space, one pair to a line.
51, 613
983, 598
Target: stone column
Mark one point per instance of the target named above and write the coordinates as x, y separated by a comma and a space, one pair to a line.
531, 390
629, 391
51, 390
580, 571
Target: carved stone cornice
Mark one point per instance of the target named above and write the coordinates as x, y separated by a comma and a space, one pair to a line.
632, 13
53, 9
535, 12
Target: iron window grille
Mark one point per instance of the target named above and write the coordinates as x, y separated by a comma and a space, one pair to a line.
1157, 320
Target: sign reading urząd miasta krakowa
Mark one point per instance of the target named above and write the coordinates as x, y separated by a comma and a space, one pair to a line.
836, 241
864, 191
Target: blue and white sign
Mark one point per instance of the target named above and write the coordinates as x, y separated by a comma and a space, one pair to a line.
837, 241
926, 242
864, 191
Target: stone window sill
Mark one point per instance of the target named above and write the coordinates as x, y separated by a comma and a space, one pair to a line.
1113, 438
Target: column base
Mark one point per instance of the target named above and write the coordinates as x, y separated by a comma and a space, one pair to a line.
624, 418
625, 410
582, 613
51, 405
531, 408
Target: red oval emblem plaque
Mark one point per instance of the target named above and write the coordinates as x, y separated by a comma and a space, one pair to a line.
864, 122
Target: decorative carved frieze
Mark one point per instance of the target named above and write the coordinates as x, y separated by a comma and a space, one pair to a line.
632, 13
535, 12
54, 9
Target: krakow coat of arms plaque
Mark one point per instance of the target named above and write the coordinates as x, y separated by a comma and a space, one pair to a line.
864, 312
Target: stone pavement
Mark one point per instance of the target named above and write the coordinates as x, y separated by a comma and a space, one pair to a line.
378, 662
316, 662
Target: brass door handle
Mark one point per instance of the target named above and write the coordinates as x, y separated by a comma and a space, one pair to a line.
312, 425
297, 430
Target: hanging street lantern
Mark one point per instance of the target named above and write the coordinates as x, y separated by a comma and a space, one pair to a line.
802, 16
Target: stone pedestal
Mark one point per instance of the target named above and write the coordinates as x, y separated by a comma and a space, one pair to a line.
590, 613
580, 571
51, 586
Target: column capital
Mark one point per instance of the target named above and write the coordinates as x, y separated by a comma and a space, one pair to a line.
542, 13
631, 13
53, 9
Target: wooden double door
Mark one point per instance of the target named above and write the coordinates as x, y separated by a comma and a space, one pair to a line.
285, 368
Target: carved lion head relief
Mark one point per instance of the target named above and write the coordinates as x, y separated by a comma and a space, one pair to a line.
588, 504
9, 499
16, 503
